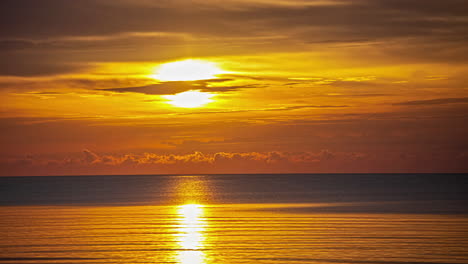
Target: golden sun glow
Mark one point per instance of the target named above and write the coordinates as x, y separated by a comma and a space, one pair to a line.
187, 70
189, 99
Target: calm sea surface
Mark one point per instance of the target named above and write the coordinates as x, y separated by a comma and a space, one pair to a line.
307, 218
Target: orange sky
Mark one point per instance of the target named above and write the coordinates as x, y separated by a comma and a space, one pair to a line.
300, 86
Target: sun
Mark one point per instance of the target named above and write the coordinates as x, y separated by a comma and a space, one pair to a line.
189, 99
187, 70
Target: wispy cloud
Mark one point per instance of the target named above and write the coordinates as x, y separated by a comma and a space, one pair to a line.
173, 87
435, 101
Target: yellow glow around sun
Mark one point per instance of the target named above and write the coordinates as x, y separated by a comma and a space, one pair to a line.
189, 99
187, 70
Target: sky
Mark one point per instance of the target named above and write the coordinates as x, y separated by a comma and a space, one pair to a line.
233, 86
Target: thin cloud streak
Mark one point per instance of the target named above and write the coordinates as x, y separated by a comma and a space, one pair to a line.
439, 101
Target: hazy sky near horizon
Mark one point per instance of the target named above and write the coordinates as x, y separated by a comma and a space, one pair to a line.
304, 86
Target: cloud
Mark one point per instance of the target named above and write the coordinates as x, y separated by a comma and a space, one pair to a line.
392, 26
16, 44
324, 161
58, 55
438, 101
157, 89
91, 158
30, 68
273, 109
89, 42
174, 87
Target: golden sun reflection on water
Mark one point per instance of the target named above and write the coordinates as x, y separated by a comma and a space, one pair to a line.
190, 235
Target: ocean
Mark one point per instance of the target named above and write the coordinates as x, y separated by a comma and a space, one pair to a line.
242, 218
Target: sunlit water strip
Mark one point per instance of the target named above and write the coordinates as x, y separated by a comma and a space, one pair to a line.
247, 233
190, 236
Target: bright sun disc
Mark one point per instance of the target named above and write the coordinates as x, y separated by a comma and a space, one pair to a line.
189, 99
187, 70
